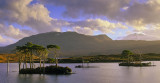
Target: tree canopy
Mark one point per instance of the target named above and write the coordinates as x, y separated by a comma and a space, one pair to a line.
126, 53
52, 47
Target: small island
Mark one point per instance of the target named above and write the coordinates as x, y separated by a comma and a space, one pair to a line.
47, 70
131, 59
136, 64
29, 51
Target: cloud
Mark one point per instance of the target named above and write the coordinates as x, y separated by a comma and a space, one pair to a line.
35, 16
84, 30
74, 8
147, 34
91, 25
13, 32
135, 13
138, 36
22, 12
142, 16
153, 32
5, 41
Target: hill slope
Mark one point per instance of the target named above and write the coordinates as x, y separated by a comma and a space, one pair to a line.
74, 44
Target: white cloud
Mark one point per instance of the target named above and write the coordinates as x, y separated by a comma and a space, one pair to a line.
36, 16
5, 41
97, 25
143, 16
84, 30
13, 32
125, 8
137, 13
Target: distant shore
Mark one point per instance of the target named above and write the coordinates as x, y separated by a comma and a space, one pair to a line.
90, 59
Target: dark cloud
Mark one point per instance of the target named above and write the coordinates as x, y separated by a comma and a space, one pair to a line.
147, 13
75, 8
129, 11
143, 16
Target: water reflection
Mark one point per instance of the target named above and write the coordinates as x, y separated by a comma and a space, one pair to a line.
105, 73
31, 79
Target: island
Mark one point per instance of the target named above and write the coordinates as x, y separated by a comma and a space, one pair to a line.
26, 55
132, 59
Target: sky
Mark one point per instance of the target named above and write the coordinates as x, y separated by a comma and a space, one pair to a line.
118, 19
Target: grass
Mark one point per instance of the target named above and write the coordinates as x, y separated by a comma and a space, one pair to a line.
91, 59
13, 58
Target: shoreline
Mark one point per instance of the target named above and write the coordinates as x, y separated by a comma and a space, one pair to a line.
84, 63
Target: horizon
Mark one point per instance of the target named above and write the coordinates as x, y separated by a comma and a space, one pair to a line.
137, 39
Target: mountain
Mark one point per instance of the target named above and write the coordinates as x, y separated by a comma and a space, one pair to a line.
138, 36
74, 44
71, 43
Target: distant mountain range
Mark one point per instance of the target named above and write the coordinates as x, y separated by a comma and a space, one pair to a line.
136, 36
74, 44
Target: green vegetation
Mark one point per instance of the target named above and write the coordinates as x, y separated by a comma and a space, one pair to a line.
54, 49
111, 58
27, 52
47, 70
20, 54
91, 59
50, 60
135, 64
132, 59
126, 54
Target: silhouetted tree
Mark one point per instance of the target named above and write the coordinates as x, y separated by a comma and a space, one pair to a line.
20, 55
127, 53
41, 52
29, 50
54, 49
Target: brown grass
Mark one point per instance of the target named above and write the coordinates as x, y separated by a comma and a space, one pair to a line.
13, 58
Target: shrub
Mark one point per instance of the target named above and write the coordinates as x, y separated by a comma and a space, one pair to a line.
47, 70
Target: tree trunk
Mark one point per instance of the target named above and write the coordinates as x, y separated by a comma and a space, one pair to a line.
23, 65
56, 58
40, 61
82, 62
128, 59
25, 60
30, 61
44, 64
56, 61
7, 63
20, 62
140, 57
19, 66
44, 60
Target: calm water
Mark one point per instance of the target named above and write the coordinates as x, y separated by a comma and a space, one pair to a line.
105, 73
